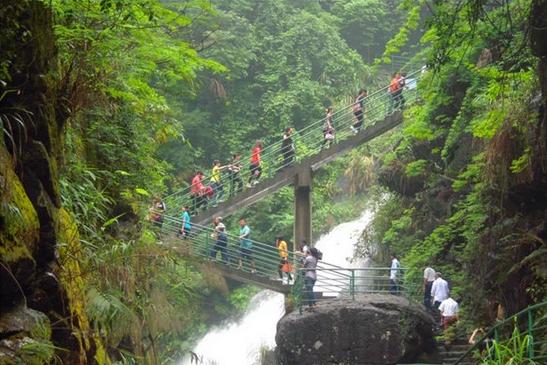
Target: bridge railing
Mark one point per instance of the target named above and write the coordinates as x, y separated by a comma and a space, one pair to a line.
202, 244
310, 139
519, 339
350, 283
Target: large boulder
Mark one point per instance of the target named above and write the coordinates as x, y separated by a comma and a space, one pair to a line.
372, 329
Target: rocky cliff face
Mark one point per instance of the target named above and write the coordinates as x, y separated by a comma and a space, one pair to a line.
375, 329
33, 285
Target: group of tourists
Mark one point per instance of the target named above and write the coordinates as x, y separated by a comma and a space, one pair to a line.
204, 194
243, 256
437, 298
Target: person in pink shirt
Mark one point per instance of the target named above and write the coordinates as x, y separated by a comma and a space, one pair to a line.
256, 169
196, 190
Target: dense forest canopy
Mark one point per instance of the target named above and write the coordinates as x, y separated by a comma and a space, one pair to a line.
106, 104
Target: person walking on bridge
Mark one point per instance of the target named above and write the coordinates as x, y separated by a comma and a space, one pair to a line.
235, 177
245, 246
256, 169
216, 182
287, 148
359, 110
186, 226
284, 265
220, 240
197, 190
328, 128
396, 92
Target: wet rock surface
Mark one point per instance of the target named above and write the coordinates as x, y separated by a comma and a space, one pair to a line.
373, 329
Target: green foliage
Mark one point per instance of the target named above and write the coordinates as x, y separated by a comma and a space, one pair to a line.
394, 45
416, 168
239, 298
366, 25
514, 350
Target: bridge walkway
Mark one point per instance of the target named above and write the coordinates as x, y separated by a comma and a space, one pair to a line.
381, 113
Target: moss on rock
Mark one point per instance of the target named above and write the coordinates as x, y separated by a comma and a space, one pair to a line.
19, 221
72, 280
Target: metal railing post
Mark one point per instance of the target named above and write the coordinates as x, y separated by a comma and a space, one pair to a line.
352, 284
530, 335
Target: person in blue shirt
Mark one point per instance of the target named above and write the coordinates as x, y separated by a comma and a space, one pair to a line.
245, 246
186, 225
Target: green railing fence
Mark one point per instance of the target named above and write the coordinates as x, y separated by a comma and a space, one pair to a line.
350, 283
531, 322
309, 140
202, 244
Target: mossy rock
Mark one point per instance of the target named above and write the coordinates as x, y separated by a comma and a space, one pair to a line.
72, 279
25, 337
19, 225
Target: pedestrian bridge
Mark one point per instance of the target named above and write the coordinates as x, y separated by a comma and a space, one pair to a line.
332, 280
382, 113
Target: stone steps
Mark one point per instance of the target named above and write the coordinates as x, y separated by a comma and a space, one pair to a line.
453, 353
449, 356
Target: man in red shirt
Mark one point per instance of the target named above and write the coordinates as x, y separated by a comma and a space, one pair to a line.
196, 190
256, 169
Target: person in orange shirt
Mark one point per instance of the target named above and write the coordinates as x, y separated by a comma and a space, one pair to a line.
256, 169
396, 91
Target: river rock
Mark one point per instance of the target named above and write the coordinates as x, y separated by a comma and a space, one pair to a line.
372, 329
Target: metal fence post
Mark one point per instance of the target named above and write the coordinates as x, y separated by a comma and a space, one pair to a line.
530, 335
352, 284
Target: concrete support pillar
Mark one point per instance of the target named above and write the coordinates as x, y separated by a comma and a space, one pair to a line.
302, 207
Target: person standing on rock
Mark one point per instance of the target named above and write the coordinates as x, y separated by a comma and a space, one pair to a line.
429, 278
393, 275
310, 276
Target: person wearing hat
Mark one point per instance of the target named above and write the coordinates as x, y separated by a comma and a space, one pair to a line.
284, 265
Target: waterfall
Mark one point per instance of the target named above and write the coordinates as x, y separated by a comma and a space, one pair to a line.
240, 342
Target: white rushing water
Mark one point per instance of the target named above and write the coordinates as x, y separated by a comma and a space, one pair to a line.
240, 342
